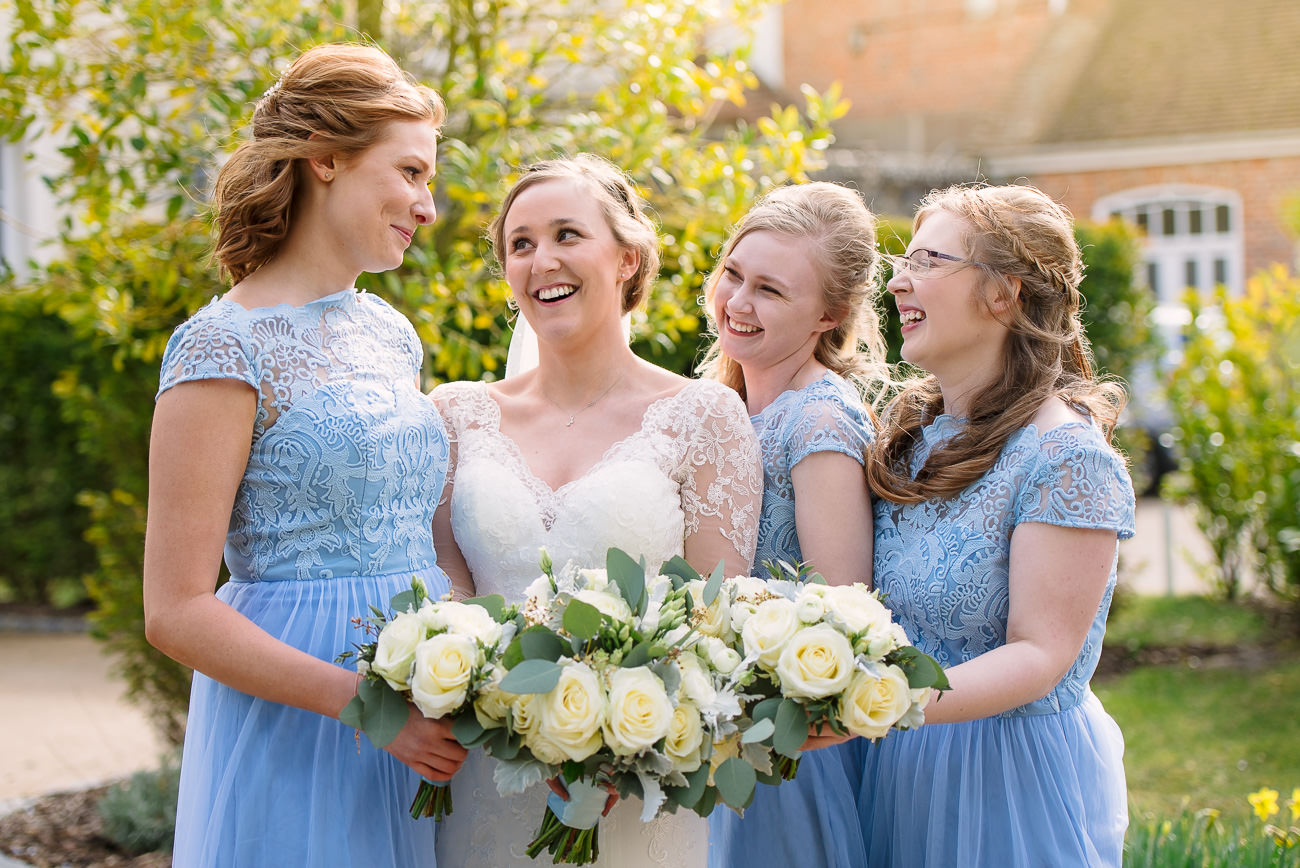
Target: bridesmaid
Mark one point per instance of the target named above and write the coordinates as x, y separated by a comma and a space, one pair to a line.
792, 302
1000, 502
290, 427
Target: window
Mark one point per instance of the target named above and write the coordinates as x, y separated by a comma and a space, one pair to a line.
1192, 241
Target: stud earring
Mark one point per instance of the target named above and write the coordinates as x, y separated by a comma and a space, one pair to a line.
329, 176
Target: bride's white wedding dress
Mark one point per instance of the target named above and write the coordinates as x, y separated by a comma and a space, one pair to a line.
692, 468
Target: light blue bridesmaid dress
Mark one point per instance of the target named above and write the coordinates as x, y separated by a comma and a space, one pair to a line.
1042, 784
812, 821
334, 514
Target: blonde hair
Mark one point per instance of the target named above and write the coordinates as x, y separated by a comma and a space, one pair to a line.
1018, 236
843, 233
334, 99
620, 203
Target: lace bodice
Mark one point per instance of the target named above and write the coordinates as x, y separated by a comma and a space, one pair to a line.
692, 467
348, 457
825, 416
944, 565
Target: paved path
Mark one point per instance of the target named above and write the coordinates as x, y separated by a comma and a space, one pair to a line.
65, 725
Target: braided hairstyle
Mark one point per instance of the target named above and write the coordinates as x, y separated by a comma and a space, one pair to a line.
842, 232
620, 203
1017, 234
334, 99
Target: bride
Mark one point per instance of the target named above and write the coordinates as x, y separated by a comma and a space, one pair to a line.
592, 448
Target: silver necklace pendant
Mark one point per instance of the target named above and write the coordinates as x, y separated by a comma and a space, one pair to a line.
569, 424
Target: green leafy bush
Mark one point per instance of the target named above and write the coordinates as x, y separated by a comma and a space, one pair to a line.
147, 94
1237, 413
139, 815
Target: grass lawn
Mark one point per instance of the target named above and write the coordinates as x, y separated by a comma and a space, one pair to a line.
1203, 735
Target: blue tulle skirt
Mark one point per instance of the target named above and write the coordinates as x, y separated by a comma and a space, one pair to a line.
811, 821
264, 784
1015, 792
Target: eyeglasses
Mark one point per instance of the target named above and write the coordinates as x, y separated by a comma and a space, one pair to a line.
922, 262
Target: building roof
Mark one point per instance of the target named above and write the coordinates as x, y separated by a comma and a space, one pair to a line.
1174, 68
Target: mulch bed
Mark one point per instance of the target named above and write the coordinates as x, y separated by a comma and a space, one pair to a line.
63, 830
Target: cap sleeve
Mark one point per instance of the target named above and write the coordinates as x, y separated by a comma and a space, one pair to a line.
1078, 481
206, 347
828, 423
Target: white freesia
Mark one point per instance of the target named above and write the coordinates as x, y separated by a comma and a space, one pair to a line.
395, 650
570, 715
856, 608
722, 656
464, 618
746, 594
811, 601
639, 710
697, 683
768, 629
444, 665
816, 663
607, 602
685, 738
875, 700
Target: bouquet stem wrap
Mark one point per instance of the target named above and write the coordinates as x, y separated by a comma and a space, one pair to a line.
569, 830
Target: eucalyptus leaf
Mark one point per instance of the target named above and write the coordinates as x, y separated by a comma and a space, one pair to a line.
707, 801
766, 709
696, 782
351, 713
628, 574
791, 728
504, 745
638, 656
582, 619
532, 676
494, 603
405, 601
921, 669
678, 567
759, 731
713, 585
514, 654
669, 674
468, 731
735, 780
541, 643
384, 713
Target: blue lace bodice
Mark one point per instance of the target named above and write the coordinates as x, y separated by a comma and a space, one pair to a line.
348, 457
825, 416
944, 565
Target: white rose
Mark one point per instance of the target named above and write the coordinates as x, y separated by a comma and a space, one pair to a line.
722, 656
466, 619
444, 665
570, 716
639, 710
697, 684
812, 603
607, 603
491, 703
856, 608
713, 619
768, 629
546, 750
816, 663
596, 580
685, 738
875, 701
539, 590
395, 651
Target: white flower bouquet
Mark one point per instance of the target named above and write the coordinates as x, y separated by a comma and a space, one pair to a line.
437, 654
608, 688
821, 656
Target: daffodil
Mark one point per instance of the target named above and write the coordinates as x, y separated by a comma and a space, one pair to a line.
1264, 802
1295, 804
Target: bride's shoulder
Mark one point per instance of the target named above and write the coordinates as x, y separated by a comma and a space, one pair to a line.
707, 400
462, 400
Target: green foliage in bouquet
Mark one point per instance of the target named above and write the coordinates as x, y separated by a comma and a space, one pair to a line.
144, 98
1237, 427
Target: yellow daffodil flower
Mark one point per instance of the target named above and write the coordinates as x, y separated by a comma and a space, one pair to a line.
1264, 802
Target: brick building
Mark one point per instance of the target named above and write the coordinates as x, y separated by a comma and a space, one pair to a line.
1180, 115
